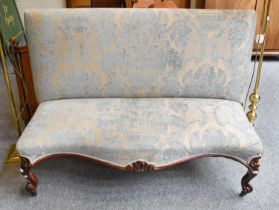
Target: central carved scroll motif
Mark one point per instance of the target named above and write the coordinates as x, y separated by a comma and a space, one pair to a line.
139, 166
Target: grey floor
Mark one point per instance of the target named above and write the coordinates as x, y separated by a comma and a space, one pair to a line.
212, 183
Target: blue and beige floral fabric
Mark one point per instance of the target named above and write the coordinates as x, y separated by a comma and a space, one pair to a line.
122, 131
140, 53
140, 71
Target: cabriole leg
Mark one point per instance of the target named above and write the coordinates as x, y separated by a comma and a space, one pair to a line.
32, 180
252, 172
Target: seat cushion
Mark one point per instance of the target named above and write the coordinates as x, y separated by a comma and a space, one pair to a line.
159, 131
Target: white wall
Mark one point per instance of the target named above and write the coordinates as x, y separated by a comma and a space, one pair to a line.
28, 4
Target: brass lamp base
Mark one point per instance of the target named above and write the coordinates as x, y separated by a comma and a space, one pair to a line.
13, 156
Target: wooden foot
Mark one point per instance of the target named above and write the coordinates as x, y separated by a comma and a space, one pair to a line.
252, 172
32, 180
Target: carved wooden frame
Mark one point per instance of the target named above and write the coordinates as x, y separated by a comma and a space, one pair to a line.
21, 54
139, 166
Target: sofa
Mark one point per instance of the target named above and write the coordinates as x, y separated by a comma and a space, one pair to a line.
140, 90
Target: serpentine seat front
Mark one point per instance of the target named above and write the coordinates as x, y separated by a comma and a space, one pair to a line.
160, 131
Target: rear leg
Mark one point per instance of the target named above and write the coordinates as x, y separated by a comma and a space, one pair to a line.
32, 180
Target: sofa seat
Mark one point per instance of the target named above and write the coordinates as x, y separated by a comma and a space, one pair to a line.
121, 131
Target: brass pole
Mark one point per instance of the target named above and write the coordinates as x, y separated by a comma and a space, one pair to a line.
13, 155
255, 97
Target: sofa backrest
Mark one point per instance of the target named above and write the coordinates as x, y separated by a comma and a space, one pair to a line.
140, 53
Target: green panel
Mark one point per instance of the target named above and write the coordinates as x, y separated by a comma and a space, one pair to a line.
10, 23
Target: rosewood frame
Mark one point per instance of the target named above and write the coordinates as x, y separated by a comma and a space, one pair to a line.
139, 166
22, 58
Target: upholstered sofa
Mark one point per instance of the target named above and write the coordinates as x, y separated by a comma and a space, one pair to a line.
139, 89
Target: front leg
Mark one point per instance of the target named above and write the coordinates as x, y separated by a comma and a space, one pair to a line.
252, 172
32, 180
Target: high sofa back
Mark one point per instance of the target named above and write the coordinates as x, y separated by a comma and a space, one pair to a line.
85, 53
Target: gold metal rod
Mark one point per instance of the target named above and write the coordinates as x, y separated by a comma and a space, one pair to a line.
265, 22
9, 91
13, 156
255, 97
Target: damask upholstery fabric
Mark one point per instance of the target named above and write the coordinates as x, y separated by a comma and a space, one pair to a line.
157, 130
140, 53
